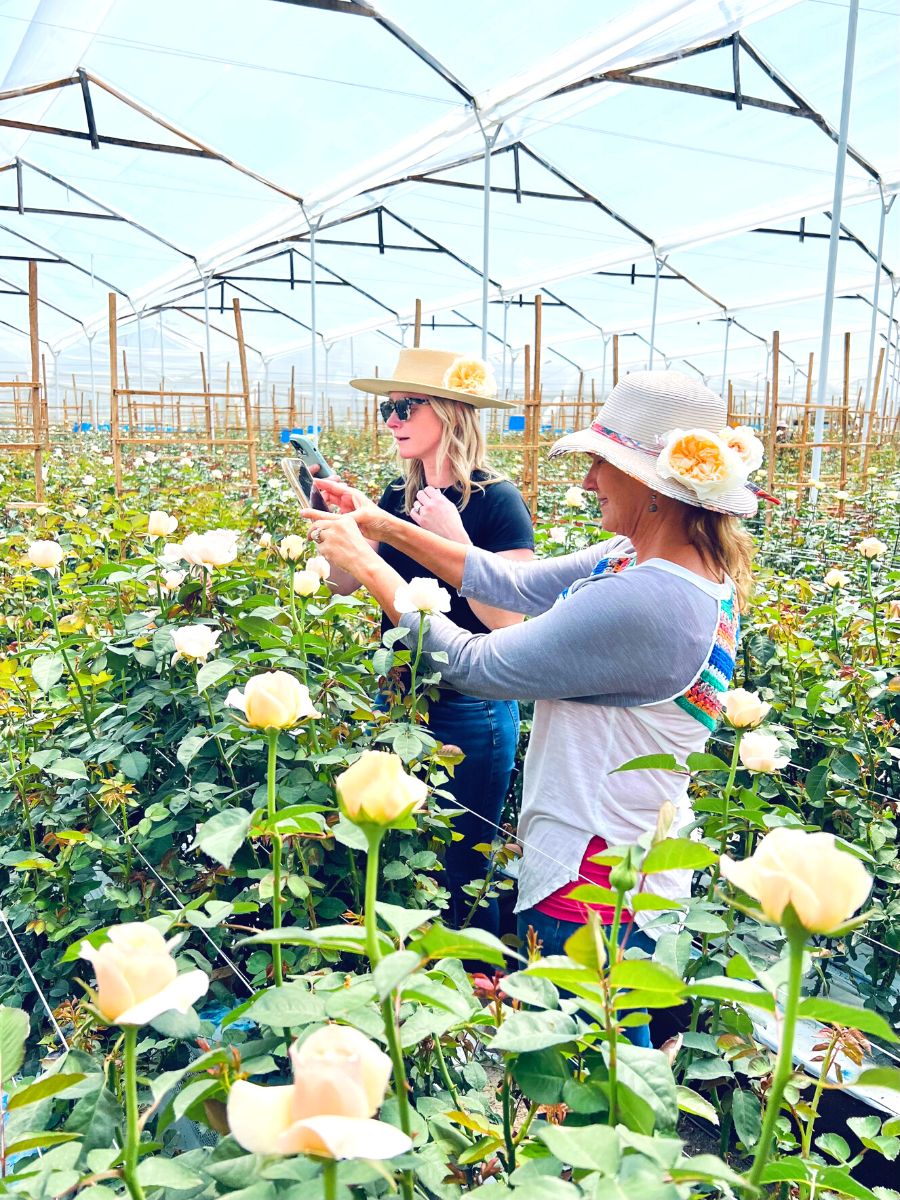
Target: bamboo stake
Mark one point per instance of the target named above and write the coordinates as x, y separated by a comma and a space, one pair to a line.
773, 415
615, 359
114, 394
37, 433
417, 331
245, 386
804, 430
870, 429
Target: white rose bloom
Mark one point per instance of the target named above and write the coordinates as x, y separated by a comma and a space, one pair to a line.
216, 548
871, 547
88, 481
422, 594
746, 444
319, 566
574, 498
836, 578
195, 642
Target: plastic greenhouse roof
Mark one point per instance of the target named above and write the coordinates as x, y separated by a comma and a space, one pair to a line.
365, 121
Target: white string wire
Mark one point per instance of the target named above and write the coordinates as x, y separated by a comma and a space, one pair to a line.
37, 987
181, 905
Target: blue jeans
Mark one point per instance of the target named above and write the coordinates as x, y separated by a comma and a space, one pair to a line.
487, 732
554, 934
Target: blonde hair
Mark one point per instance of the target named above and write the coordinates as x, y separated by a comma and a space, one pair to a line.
461, 448
724, 545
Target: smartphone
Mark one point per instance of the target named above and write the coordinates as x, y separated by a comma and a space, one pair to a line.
304, 484
308, 454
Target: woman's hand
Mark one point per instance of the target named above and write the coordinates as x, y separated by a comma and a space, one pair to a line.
349, 501
340, 540
434, 512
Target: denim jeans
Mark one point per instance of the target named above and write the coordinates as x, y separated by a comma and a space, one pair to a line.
487, 732
554, 934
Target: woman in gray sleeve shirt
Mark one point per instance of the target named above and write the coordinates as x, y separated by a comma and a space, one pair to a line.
630, 644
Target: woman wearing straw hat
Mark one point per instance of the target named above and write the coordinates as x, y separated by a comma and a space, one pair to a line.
431, 410
631, 642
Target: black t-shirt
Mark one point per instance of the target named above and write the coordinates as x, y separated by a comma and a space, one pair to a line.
495, 518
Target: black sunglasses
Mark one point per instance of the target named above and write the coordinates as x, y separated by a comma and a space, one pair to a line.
403, 408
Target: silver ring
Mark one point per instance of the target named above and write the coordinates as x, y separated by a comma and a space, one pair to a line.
317, 535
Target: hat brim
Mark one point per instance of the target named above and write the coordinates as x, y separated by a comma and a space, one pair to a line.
738, 501
381, 387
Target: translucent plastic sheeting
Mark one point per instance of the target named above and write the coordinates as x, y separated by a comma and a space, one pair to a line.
340, 110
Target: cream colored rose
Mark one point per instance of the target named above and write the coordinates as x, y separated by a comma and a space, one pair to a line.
471, 375
824, 885
376, 790
319, 566
80, 512
835, 578
160, 524
306, 583
557, 535
423, 594
88, 481
746, 444
292, 547
273, 700
172, 580
701, 462
871, 547
891, 494
893, 611
340, 1078
842, 495
215, 473
45, 554
574, 497
744, 709
762, 752
265, 540
137, 978
195, 642
216, 548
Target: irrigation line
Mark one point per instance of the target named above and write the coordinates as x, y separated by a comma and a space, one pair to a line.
37, 987
181, 905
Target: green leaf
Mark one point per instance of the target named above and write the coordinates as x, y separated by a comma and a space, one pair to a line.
586, 1147
522, 1032
585, 946
212, 672
878, 1077
404, 921
441, 942
531, 989
393, 969
646, 975
839, 1179
288, 1006
692, 1102
343, 938
831, 1012
864, 1127
49, 1085
650, 762
746, 1113
67, 768
706, 762
47, 671
14, 1027
134, 764
38, 1141
168, 1173
223, 834
647, 1073
834, 1145
190, 747
673, 854
741, 991
542, 1075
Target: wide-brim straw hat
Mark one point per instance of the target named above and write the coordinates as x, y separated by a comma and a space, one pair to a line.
439, 373
631, 431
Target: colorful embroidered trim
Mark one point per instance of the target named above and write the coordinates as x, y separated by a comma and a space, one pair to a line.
703, 699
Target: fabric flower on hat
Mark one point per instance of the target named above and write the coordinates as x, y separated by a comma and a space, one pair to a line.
702, 462
745, 443
471, 375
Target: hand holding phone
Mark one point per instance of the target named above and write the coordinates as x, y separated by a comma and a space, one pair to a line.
303, 484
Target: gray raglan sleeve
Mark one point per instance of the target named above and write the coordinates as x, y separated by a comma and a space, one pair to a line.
531, 587
622, 640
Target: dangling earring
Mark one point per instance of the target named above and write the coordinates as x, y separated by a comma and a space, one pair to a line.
652, 506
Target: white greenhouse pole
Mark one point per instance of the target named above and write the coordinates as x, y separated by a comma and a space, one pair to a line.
725, 356
833, 243
140, 342
312, 321
885, 209
653, 316
888, 358
90, 343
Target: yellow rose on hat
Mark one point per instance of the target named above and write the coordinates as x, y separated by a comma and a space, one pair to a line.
471, 375
701, 462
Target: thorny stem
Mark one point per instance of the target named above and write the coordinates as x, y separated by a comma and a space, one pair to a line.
277, 969
132, 1132
67, 661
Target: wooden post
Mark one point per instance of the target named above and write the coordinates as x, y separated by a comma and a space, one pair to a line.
773, 413
245, 387
804, 430
529, 491
292, 400
845, 417
615, 359
869, 429
417, 330
114, 394
579, 400
37, 431
207, 400
729, 417
45, 401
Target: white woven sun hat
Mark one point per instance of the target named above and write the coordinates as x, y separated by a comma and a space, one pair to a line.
439, 373
669, 431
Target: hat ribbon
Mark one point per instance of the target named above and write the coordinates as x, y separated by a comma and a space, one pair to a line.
630, 443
